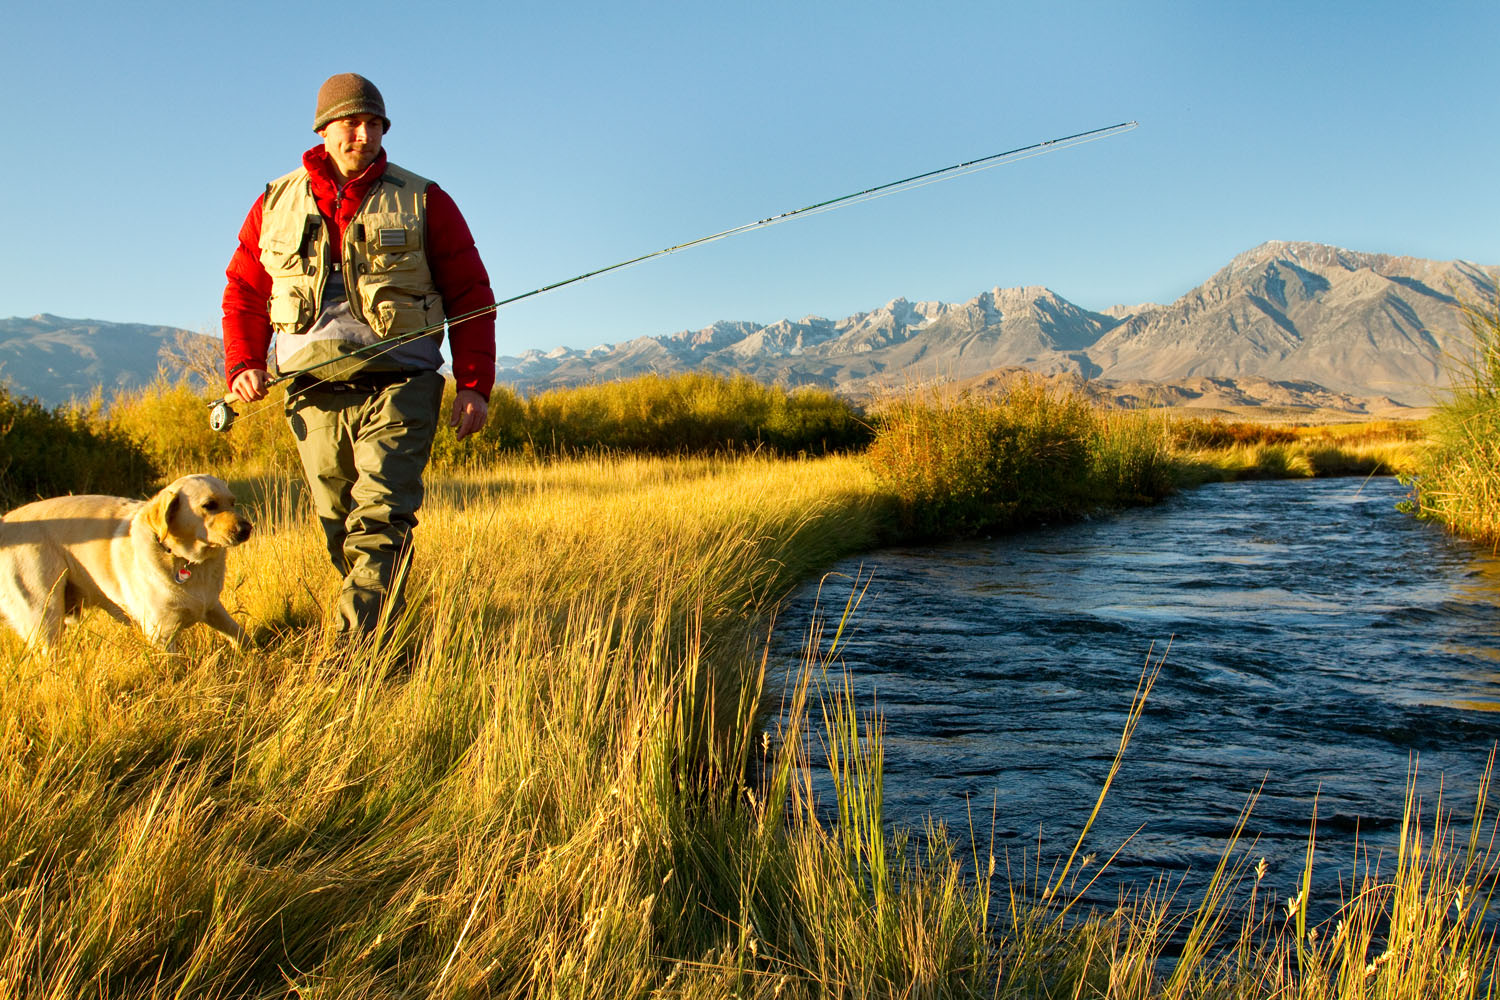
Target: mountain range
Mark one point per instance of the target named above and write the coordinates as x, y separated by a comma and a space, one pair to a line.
1364, 327
1284, 324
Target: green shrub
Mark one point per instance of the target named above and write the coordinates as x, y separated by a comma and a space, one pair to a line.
49, 452
692, 413
814, 421
959, 464
169, 419
1197, 433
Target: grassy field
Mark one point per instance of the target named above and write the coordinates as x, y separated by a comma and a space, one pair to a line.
571, 789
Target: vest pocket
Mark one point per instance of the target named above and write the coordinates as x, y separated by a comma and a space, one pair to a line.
289, 312
393, 244
281, 251
396, 315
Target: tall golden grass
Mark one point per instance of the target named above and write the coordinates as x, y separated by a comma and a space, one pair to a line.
566, 781
552, 800
570, 790
964, 464
1458, 481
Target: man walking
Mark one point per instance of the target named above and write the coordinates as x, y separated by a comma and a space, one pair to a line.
337, 259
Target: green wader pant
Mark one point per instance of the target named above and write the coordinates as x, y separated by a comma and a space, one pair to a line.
364, 447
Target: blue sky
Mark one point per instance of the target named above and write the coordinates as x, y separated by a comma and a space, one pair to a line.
576, 135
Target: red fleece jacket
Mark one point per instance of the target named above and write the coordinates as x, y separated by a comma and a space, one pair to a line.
451, 256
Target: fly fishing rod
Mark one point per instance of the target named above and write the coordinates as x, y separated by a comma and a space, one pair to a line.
222, 414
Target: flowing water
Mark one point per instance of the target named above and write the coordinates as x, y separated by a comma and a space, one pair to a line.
1316, 644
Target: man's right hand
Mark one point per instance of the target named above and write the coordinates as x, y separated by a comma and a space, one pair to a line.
249, 385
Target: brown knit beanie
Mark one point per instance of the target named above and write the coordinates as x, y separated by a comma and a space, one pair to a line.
346, 94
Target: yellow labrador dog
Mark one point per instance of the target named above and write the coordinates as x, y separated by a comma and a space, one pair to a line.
156, 562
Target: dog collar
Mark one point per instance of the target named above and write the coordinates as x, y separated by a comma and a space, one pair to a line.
179, 573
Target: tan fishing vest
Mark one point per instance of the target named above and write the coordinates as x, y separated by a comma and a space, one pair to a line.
389, 287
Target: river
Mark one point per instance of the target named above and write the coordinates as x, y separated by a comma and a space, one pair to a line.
1317, 644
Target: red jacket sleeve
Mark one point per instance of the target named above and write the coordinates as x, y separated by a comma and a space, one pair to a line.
247, 321
465, 286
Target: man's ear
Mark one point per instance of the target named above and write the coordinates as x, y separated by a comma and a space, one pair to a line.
159, 513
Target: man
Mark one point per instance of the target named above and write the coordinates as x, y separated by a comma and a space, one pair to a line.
337, 259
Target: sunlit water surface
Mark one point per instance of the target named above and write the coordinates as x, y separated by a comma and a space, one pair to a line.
1317, 643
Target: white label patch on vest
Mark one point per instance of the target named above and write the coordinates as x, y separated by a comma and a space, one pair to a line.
392, 238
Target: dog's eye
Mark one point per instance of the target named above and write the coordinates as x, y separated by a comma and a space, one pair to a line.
210, 505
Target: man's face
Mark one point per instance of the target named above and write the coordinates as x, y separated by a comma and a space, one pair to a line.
353, 143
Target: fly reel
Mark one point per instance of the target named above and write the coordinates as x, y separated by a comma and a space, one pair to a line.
221, 415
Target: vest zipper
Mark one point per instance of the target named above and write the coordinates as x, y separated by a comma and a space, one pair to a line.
351, 281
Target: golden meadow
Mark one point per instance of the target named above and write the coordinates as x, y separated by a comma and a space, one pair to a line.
576, 786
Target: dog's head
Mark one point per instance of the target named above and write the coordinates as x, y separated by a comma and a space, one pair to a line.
195, 516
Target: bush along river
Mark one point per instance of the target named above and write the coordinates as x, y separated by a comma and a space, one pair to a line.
1318, 644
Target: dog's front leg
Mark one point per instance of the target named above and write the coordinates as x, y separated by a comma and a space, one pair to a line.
216, 617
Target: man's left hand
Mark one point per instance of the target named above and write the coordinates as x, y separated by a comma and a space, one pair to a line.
469, 413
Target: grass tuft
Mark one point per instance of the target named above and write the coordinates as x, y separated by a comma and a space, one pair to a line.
959, 464
1458, 480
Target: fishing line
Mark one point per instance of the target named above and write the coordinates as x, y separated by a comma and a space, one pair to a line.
222, 415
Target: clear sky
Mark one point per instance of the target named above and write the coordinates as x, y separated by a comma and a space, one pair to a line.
575, 135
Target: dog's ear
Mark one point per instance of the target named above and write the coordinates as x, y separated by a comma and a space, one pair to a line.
159, 512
